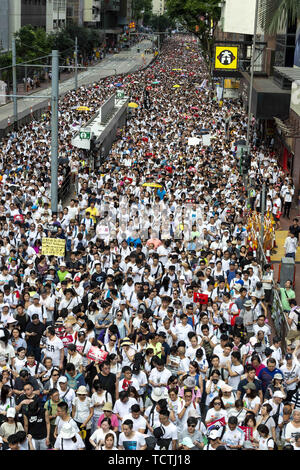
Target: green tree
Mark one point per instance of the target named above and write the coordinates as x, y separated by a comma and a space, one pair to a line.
199, 18
275, 14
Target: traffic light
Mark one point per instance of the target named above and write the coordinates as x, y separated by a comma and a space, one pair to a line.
245, 163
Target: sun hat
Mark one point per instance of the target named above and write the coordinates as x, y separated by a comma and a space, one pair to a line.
107, 406
248, 303
278, 394
226, 388
67, 431
126, 342
189, 382
158, 393
82, 390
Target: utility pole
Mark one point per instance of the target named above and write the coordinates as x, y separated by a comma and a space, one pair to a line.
14, 73
263, 209
54, 130
76, 63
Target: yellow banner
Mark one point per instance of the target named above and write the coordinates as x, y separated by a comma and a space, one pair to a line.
53, 247
226, 57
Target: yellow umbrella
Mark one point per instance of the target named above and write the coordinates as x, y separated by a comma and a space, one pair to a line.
176, 86
177, 70
133, 105
83, 108
152, 185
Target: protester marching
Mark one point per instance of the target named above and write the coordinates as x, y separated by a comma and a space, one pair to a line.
151, 329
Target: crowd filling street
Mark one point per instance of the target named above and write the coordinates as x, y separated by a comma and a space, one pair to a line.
154, 330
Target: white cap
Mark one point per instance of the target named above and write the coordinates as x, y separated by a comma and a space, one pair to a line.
11, 413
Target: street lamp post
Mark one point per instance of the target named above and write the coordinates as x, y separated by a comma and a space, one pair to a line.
54, 131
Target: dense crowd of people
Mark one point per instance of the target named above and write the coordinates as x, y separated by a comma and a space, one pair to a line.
153, 331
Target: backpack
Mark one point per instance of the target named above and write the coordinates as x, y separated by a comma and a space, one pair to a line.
275, 445
208, 348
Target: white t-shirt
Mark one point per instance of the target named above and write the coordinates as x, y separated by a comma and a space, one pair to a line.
59, 423
139, 423
135, 442
291, 431
99, 436
234, 381
233, 438
123, 409
82, 410
7, 352
53, 349
170, 433
265, 443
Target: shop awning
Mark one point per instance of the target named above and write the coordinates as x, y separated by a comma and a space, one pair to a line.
291, 73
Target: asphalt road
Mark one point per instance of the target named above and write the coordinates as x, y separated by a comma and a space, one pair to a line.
123, 62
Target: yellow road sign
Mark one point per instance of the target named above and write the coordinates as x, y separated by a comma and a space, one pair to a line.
226, 57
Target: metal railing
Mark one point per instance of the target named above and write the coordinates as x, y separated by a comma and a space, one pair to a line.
277, 312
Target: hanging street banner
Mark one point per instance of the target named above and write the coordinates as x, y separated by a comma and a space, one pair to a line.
226, 57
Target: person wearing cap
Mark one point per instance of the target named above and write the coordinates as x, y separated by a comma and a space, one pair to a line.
66, 393
108, 413
10, 426
276, 402
68, 439
82, 412
277, 384
266, 374
213, 440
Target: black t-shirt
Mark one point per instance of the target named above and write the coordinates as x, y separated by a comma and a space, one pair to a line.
99, 277
37, 424
39, 329
295, 230
22, 321
108, 383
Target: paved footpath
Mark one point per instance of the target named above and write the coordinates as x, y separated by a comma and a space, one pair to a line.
123, 62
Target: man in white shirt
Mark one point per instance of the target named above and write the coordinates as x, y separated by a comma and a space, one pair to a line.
139, 422
54, 348
38, 309
290, 245
182, 329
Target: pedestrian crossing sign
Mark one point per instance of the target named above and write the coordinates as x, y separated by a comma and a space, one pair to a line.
226, 57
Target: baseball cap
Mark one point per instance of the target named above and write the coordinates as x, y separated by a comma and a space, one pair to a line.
62, 379
287, 357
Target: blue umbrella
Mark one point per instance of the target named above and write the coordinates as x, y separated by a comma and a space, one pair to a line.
119, 84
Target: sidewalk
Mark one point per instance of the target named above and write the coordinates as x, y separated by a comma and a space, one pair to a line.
280, 239
114, 64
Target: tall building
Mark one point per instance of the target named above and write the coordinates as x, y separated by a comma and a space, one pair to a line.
92, 13
158, 7
14, 14
75, 12
4, 26
56, 15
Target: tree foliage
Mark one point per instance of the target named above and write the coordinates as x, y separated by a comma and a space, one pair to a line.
201, 19
275, 14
